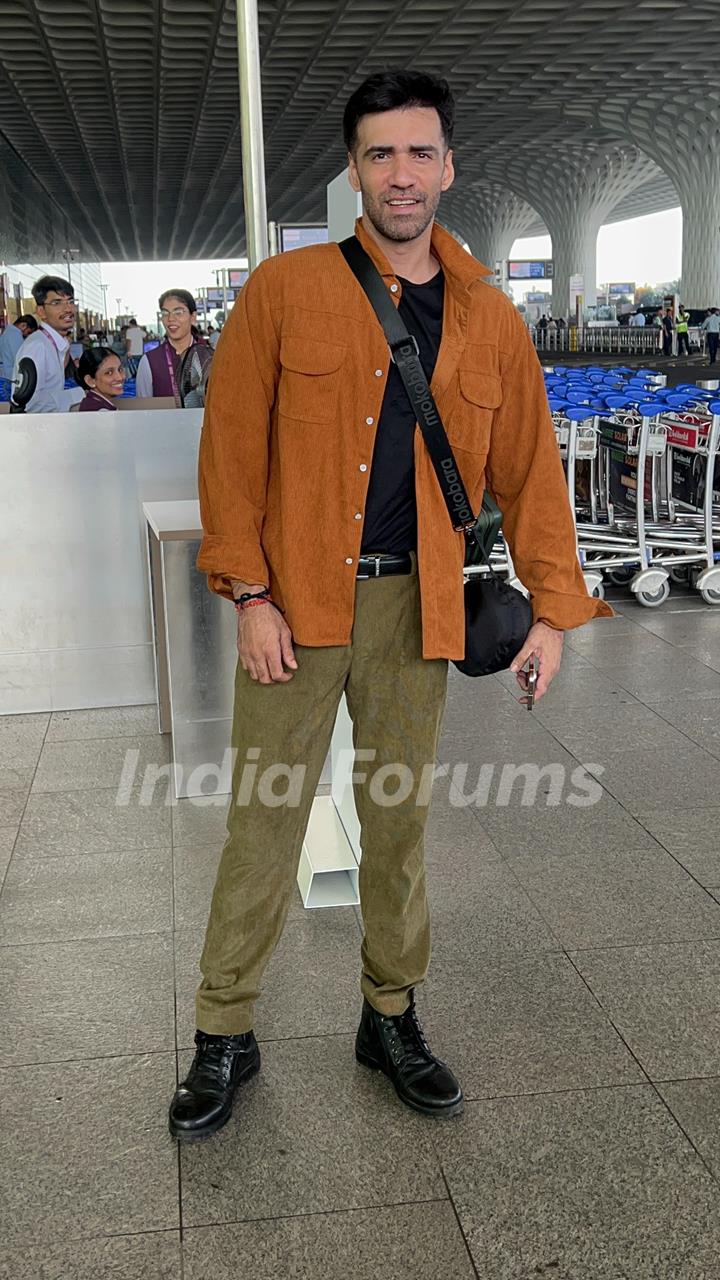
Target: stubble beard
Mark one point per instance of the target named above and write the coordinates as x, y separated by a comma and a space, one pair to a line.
400, 229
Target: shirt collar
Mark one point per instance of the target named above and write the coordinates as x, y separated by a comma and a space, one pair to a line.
459, 266
61, 343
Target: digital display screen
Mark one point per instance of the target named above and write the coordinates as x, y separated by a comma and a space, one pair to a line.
301, 237
237, 277
541, 269
620, 290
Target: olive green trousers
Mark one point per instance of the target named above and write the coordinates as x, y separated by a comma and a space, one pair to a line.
281, 734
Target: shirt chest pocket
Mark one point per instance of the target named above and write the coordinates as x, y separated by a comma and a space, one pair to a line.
470, 421
310, 375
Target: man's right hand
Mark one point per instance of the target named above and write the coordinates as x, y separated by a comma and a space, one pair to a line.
265, 644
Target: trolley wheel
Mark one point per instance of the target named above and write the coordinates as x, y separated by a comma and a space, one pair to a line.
711, 595
653, 599
599, 592
621, 576
679, 573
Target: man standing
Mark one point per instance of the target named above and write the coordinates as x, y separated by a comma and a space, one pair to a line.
11, 340
134, 345
711, 326
49, 348
682, 326
325, 523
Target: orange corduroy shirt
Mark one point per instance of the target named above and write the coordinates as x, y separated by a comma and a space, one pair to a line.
287, 445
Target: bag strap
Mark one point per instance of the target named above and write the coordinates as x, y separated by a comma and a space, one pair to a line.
480, 532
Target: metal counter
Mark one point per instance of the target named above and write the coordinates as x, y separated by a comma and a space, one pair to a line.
75, 627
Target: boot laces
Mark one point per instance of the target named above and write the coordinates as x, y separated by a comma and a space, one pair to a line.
406, 1039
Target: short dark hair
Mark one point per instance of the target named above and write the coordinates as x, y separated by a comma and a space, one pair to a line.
28, 320
395, 90
182, 295
51, 284
90, 362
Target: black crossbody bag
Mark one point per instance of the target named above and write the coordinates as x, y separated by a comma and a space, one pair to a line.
497, 616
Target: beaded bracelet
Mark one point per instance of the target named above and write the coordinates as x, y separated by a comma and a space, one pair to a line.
249, 600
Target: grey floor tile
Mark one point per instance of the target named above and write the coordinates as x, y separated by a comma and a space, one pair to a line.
311, 986
598, 1186
674, 677
487, 908
12, 804
8, 836
513, 1024
608, 730
99, 763
16, 778
201, 821
662, 775
313, 1133
86, 999
610, 650
108, 895
696, 1107
141, 1257
691, 836
617, 898
664, 1002
91, 822
698, 719
103, 722
21, 740
85, 1150
414, 1242
539, 829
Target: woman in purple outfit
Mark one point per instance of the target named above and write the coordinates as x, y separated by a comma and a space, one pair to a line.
102, 376
158, 370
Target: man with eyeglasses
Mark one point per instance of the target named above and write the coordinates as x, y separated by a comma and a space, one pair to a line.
49, 347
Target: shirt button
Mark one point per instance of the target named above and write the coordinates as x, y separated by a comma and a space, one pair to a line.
363, 466
393, 288
349, 560
358, 515
378, 373
369, 421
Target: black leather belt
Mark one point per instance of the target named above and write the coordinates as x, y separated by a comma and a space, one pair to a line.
381, 566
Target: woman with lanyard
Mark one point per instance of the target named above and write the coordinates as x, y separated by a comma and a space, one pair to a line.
101, 374
158, 370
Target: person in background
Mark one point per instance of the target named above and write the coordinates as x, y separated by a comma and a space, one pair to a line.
562, 323
102, 377
711, 327
11, 340
213, 336
667, 331
49, 347
134, 345
158, 369
682, 325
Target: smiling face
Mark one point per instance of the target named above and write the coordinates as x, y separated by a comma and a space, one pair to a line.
177, 319
109, 378
58, 312
401, 166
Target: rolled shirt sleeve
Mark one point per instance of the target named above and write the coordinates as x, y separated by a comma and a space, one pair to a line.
525, 475
234, 446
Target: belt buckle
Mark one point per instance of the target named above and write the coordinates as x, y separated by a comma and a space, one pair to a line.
377, 560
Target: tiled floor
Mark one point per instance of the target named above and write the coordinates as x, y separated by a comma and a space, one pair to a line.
574, 987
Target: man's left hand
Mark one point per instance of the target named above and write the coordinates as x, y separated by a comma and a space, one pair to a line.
545, 644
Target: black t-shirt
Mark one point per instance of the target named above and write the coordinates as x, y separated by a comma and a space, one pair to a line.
390, 512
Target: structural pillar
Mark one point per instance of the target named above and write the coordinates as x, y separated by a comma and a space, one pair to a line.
251, 130
488, 217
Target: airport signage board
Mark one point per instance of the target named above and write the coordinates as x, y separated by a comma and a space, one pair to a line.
525, 269
236, 277
626, 290
302, 235
537, 297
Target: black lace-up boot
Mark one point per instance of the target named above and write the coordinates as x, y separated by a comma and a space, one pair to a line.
397, 1047
203, 1102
